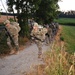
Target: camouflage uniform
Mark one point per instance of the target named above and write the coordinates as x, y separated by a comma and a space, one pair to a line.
48, 35
40, 34
14, 34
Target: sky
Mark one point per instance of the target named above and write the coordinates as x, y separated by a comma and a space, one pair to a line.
65, 5
4, 9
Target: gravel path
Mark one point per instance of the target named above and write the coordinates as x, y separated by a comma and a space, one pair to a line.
21, 63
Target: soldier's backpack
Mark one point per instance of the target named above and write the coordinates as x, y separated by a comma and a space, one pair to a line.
16, 25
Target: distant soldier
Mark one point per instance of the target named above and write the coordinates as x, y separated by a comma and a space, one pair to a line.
52, 26
48, 34
56, 26
31, 23
14, 33
38, 34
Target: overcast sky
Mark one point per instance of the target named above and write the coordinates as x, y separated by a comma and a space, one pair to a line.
64, 5
3, 3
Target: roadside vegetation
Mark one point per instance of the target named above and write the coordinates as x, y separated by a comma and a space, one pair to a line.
68, 33
61, 59
59, 62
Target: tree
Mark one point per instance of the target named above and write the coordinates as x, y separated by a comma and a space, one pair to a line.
10, 4
25, 9
42, 10
47, 10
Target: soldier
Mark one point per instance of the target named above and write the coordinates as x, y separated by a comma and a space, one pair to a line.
31, 23
48, 35
38, 34
14, 34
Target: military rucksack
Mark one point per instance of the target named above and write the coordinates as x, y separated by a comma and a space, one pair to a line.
16, 25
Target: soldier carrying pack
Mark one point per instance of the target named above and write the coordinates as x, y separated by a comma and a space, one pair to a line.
16, 24
13, 29
38, 33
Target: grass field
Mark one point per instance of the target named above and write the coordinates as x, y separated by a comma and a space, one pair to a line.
66, 21
68, 32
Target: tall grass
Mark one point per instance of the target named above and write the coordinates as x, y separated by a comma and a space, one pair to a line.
59, 62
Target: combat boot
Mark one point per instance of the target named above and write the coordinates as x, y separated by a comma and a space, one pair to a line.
12, 52
17, 49
40, 56
16, 52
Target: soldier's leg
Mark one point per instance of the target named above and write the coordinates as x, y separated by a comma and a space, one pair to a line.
40, 52
15, 39
46, 40
10, 46
50, 37
39, 45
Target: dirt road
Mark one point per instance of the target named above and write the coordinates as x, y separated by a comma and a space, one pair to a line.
21, 63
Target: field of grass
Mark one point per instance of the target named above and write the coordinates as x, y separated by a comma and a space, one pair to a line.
68, 32
66, 21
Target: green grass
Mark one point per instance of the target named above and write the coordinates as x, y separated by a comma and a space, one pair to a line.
68, 32
66, 21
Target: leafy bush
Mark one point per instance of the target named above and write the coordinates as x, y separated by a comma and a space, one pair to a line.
62, 38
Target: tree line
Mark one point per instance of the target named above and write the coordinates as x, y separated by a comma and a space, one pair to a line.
68, 14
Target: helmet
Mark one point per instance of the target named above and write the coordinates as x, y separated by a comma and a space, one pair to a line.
6, 21
35, 24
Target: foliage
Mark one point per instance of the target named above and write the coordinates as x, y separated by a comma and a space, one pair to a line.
41, 10
59, 62
47, 11
11, 4
62, 38
3, 45
11, 19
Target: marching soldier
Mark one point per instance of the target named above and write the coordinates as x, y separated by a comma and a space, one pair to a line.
13, 30
38, 34
48, 35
